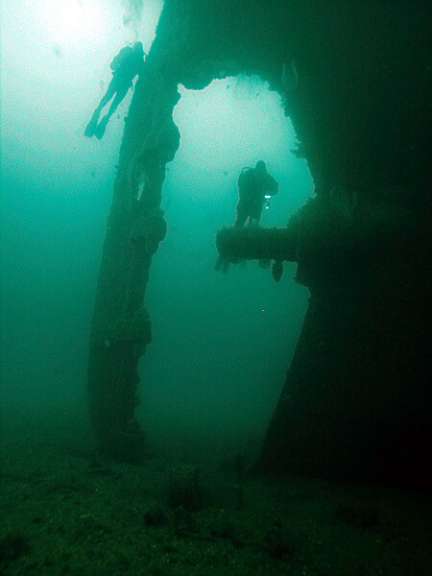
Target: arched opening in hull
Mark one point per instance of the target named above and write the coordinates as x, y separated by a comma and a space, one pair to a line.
227, 337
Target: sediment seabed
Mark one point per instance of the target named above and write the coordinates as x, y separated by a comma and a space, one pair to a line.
64, 511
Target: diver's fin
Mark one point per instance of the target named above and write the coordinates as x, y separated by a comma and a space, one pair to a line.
99, 131
90, 129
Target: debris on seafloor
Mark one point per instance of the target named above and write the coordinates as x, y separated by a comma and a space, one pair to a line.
12, 547
184, 523
155, 516
362, 516
276, 542
184, 489
223, 527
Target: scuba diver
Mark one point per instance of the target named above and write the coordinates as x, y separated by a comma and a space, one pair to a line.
256, 186
127, 64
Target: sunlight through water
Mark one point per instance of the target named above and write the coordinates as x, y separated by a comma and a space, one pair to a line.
72, 20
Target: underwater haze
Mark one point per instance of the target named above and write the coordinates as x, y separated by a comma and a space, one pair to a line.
215, 367
116, 464
56, 191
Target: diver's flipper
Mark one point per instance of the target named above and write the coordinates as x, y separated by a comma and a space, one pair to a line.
90, 129
99, 131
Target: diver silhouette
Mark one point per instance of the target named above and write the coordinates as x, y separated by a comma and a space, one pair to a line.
255, 186
126, 65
